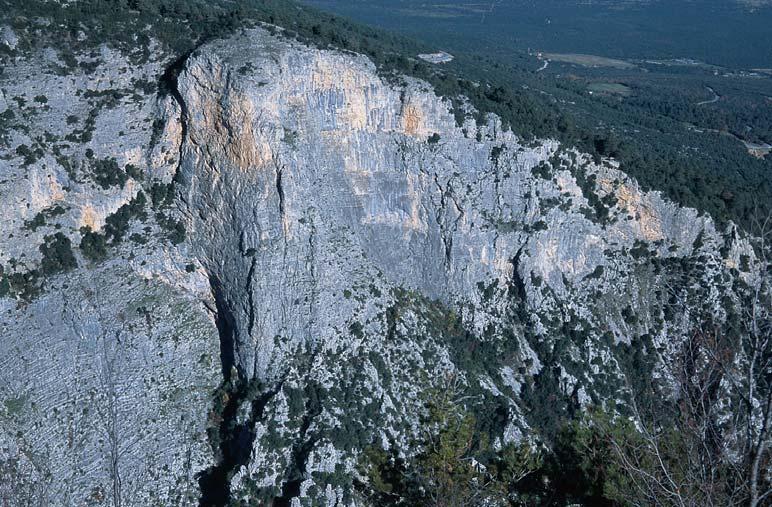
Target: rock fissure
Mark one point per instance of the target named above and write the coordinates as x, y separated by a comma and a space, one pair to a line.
446, 235
168, 84
213, 481
231, 437
235, 441
280, 190
301, 451
230, 440
250, 295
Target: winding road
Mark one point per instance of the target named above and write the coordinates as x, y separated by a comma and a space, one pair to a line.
715, 98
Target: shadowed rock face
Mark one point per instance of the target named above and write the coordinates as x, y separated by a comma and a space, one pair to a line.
349, 246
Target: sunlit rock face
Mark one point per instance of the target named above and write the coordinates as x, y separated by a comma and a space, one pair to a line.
348, 247
350, 226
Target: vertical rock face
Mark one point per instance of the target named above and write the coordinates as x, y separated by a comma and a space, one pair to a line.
348, 247
360, 243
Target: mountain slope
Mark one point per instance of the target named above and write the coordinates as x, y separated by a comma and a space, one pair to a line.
288, 253
363, 247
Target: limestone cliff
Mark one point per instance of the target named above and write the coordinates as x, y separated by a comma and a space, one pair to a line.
348, 246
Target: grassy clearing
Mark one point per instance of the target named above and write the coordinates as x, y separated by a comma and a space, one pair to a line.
588, 60
610, 89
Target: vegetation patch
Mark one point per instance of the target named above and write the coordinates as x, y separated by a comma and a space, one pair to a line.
14, 406
57, 255
93, 245
107, 173
588, 60
610, 89
117, 224
40, 218
174, 228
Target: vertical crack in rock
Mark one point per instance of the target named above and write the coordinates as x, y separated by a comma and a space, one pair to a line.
279, 169
168, 85
314, 282
301, 451
226, 327
518, 287
214, 484
517, 258
231, 437
445, 234
280, 190
250, 295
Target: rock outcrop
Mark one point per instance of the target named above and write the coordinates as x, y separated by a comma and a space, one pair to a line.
349, 246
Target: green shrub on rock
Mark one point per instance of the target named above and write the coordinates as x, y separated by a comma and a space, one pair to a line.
57, 254
93, 245
117, 224
107, 173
